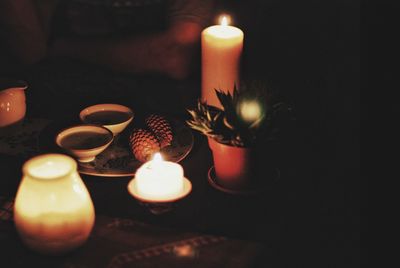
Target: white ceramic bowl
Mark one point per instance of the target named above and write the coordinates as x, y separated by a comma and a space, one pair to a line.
115, 117
84, 142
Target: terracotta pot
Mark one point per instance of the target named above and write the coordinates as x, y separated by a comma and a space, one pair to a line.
234, 166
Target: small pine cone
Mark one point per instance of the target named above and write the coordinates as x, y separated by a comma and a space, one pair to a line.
143, 144
161, 128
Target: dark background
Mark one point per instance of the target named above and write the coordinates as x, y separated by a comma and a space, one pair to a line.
310, 51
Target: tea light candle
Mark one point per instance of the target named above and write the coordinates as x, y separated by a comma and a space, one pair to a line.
159, 180
221, 51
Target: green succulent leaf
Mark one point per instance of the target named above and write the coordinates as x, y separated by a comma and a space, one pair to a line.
227, 126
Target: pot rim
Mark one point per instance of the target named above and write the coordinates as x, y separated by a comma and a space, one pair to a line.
211, 140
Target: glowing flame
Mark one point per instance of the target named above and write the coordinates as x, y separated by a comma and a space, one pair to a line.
157, 158
155, 162
224, 20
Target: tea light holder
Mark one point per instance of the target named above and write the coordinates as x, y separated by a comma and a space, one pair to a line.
53, 210
159, 184
159, 206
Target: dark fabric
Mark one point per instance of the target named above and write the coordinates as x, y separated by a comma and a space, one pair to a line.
119, 242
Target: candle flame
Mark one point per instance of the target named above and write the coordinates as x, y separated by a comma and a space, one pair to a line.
224, 20
157, 158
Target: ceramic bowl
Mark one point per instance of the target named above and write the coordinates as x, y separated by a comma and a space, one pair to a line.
115, 117
84, 142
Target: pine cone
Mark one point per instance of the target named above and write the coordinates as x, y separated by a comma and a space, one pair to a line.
143, 144
161, 128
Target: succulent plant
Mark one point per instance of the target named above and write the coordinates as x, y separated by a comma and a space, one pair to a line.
247, 115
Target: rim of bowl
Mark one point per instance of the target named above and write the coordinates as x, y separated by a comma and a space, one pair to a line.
109, 132
83, 114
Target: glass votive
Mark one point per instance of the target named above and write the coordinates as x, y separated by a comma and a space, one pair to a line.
53, 211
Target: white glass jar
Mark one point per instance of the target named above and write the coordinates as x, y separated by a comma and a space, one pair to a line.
53, 211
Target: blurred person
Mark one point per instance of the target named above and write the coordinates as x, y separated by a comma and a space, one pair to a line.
134, 36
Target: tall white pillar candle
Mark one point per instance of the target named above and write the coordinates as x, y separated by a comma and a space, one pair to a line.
222, 47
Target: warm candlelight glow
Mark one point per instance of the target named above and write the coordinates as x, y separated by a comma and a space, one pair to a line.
48, 168
53, 211
156, 162
224, 20
157, 158
221, 52
159, 180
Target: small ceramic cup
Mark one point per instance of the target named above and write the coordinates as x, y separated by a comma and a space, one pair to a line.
12, 101
115, 117
84, 142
